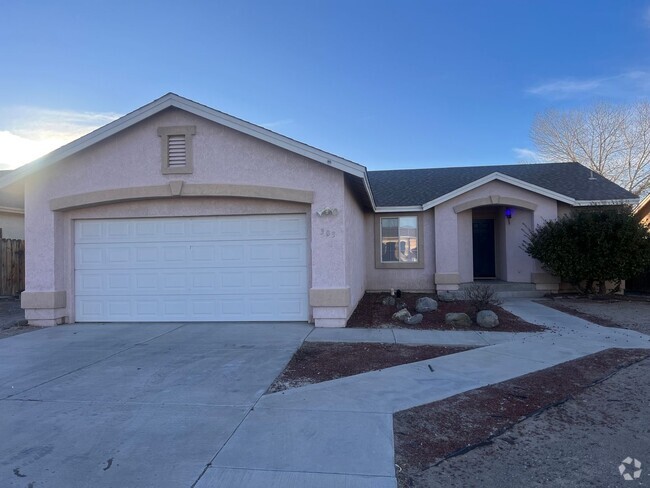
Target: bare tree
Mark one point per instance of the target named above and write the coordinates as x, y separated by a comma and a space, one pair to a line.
612, 140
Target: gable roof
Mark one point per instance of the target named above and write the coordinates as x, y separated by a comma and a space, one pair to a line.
428, 187
172, 100
405, 190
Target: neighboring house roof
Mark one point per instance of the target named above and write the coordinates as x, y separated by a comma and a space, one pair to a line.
643, 207
427, 187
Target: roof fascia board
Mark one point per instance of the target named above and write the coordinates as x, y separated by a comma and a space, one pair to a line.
595, 203
14, 210
366, 183
501, 177
412, 208
642, 204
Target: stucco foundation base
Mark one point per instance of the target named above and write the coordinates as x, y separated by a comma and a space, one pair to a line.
447, 282
45, 317
330, 316
44, 308
330, 306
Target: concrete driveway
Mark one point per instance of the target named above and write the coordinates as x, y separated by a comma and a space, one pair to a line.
130, 405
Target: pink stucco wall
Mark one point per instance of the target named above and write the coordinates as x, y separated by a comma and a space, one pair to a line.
356, 248
132, 158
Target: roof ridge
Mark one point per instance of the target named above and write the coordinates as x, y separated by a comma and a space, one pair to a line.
515, 165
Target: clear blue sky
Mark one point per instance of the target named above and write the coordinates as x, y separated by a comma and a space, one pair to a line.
386, 84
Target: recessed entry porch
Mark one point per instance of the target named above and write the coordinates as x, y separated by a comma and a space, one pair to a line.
486, 246
497, 233
496, 254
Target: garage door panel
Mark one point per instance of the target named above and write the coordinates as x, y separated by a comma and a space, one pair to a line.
197, 308
184, 269
264, 227
147, 282
191, 254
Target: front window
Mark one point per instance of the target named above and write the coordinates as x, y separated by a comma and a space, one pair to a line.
399, 239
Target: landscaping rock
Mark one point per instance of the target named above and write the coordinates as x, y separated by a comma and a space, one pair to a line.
446, 296
426, 304
400, 304
388, 300
402, 315
487, 319
458, 319
414, 320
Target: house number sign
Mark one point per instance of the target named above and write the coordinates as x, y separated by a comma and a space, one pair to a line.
327, 233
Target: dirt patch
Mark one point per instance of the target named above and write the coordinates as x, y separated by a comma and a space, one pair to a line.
315, 362
12, 331
631, 314
371, 313
427, 435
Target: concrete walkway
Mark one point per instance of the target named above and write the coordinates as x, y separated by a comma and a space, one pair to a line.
415, 337
339, 433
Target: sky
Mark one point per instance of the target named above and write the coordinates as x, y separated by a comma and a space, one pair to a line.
399, 84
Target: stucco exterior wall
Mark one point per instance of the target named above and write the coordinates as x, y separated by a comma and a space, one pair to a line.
356, 248
519, 264
132, 158
465, 246
563, 209
419, 279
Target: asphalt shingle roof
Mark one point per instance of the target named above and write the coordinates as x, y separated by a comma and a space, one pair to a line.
407, 187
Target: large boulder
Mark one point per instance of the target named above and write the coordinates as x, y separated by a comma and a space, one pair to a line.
425, 304
402, 315
487, 319
414, 320
458, 319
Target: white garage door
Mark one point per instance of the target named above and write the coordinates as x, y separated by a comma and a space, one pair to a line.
240, 268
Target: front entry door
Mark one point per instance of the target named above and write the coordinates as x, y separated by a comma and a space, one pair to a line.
483, 245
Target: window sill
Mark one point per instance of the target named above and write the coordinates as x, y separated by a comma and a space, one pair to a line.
399, 265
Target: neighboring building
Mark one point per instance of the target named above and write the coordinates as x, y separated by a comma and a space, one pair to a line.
643, 210
178, 212
12, 211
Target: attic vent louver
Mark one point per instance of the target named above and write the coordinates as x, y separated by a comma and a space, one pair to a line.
177, 149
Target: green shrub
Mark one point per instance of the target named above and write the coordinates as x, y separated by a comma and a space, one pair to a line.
591, 247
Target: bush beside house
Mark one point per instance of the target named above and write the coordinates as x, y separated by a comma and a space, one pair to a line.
592, 247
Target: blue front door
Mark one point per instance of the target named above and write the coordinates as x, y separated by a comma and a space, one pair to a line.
483, 245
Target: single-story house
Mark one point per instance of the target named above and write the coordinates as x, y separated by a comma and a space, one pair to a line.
12, 212
179, 212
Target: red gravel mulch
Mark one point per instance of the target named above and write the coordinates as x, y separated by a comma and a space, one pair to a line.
323, 361
429, 434
371, 313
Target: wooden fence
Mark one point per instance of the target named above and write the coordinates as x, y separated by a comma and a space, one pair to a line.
12, 266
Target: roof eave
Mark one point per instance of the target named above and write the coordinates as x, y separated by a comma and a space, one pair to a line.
613, 201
